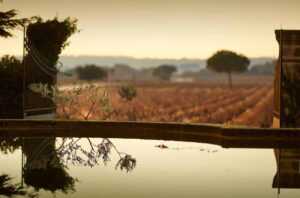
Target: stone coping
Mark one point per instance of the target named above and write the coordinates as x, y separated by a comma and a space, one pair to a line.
225, 136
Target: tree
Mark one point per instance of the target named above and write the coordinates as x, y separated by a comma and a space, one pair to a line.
43, 169
127, 92
8, 23
50, 37
45, 40
91, 72
11, 92
72, 102
8, 189
164, 71
225, 61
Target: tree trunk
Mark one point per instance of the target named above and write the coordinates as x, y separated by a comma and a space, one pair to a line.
229, 79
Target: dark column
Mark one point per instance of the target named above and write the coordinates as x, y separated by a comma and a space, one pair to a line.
287, 80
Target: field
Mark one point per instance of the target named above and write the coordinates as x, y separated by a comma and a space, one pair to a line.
247, 104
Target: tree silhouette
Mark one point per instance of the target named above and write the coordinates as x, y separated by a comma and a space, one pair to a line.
8, 189
45, 40
11, 92
10, 145
43, 168
50, 37
91, 72
164, 71
8, 23
225, 61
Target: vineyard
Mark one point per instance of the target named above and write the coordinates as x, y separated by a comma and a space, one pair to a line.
247, 104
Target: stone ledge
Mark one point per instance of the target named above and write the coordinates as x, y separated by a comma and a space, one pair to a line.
226, 136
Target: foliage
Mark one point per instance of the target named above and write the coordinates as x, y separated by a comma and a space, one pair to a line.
8, 23
11, 92
50, 37
57, 179
128, 92
67, 100
71, 101
43, 168
71, 151
127, 163
46, 40
9, 145
164, 71
225, 61
91, 72
8, 189
106, 107
11, 190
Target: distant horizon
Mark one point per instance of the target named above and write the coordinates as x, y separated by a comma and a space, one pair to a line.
109, 61
136, 57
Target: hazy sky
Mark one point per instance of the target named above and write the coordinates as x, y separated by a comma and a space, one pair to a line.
164, 28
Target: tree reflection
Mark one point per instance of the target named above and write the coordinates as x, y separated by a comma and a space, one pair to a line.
43, 169
46, 164
7, 188
9, 145
127, 163
46, 161
72, 151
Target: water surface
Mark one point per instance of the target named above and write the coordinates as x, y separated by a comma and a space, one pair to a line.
180, 170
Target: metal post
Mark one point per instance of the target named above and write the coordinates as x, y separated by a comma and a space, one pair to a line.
280, 79
278, 171
24, 71
22, 164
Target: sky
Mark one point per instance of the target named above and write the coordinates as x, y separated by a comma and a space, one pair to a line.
164, 28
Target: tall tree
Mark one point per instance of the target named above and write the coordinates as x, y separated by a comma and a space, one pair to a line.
164, 71
8, 22
225, 61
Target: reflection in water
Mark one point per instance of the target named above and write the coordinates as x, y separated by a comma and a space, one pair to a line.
45, 160
288, 169
46, 164
43, 168
163, 146
8, 189
71, 150
9, 145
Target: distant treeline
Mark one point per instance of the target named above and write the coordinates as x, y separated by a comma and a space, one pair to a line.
118, 71
183, 64
123, 71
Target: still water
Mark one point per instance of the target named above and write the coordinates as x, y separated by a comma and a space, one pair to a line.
146, 168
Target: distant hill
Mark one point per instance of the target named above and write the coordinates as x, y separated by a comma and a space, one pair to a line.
183, 65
